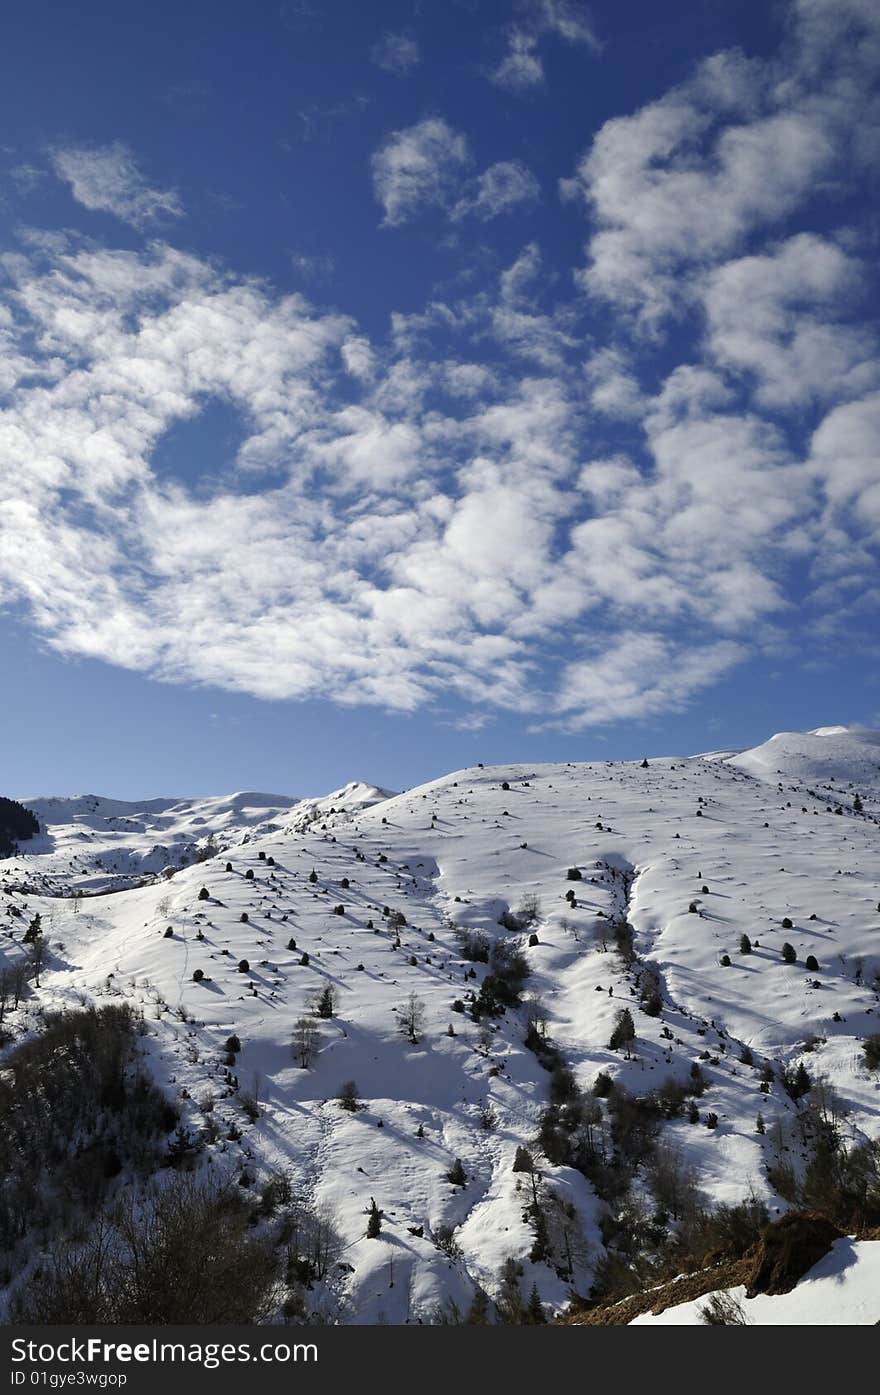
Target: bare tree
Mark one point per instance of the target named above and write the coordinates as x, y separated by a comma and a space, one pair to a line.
412, 1017
673, 1182
529, 910
566, 1242
37, 958
536, 1014
305, 1043
5, 990
19, 980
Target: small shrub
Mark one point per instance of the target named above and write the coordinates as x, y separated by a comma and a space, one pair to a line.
348, 1097
456, 1174
198, 975
243, 966
789, 953
249, 1105
723, 1310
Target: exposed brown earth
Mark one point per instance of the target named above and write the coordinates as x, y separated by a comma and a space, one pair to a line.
786, 1251
655, 1300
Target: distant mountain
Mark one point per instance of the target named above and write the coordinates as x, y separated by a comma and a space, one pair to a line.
843, 756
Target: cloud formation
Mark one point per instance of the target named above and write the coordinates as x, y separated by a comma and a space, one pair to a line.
418, 167
396, 53
427, 166
507, 500
681, 184
499, 189
521, 67
106, 178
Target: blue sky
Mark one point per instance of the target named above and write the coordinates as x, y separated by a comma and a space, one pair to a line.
386, 387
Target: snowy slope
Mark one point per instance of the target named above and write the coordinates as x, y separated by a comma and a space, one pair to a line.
649, 842
847, 758
843, 1289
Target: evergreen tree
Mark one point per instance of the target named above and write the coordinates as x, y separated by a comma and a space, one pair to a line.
374, 1224
478, 1312
534, 1312
624, 1030
33, 931
522, 1161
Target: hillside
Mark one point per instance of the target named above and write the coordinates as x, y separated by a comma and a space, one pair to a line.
632, 884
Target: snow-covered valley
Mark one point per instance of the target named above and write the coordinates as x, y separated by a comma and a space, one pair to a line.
231, 916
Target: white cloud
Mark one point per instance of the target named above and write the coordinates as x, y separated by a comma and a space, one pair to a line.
683, 182
106, 178
614, 388
845, 457
392, 552
396, 53
417, 168
521, 67
450, 512
776, 317
500, 188
426, 166
641, 674
313, 266
566, 19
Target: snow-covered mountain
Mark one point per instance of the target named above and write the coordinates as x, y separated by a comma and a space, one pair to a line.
844, 758
97, 844
375, 896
